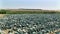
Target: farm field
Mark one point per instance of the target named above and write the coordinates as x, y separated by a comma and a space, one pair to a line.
29, 16
30, 23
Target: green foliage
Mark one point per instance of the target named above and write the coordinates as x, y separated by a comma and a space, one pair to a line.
2, 11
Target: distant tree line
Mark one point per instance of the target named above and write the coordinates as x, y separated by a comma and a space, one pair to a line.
28, 12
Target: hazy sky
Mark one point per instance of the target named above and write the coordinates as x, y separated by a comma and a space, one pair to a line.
43, 4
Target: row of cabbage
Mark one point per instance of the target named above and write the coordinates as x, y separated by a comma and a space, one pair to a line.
31, 23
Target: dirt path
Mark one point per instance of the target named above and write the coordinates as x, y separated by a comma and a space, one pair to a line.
2, 15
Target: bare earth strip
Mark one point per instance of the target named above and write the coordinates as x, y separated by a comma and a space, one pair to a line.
2, 15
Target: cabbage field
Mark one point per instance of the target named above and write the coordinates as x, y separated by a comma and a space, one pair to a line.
31, 23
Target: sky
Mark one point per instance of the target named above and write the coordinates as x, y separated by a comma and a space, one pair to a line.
30, 4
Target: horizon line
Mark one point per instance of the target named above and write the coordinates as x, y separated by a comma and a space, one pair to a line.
30, 8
